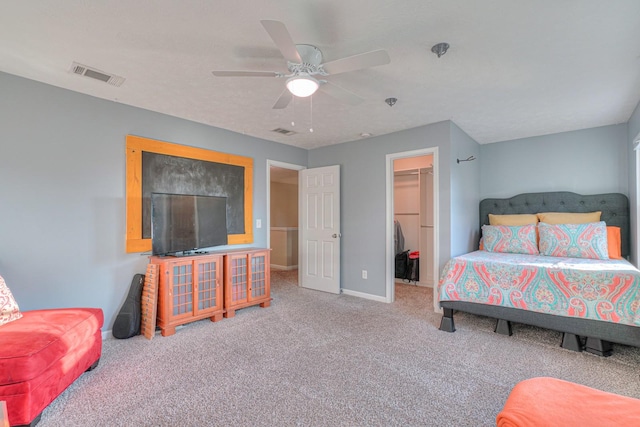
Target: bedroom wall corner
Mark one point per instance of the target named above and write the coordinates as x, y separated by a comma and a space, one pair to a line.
465, 191
633, 131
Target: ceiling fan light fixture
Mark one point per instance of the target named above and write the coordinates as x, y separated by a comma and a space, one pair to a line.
302, 85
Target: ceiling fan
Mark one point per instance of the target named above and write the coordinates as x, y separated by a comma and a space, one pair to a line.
304, 62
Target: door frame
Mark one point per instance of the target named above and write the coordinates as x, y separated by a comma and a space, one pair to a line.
283, 165
389, 248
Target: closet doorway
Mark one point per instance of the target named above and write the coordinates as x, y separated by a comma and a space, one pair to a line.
412, 216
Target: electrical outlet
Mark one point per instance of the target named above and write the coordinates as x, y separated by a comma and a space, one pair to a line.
258, 223
364, 274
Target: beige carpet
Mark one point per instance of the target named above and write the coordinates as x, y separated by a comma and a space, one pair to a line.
316, 359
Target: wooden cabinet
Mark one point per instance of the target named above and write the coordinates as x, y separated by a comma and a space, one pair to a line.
246, 280
189, 288
210, 285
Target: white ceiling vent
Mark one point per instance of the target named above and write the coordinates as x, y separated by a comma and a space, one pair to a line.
83, 70
283, 131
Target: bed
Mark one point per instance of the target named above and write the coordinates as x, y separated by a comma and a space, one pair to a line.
592, 302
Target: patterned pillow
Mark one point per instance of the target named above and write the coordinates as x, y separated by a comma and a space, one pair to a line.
574, 240
510, 239
9, 310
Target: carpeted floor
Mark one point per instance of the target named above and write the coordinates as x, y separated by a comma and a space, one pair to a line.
317, 359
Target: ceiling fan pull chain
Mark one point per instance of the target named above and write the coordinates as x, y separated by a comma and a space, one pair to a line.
293, 106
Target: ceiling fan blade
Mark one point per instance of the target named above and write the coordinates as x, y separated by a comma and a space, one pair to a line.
281, 37
245, 73
284, 100
357, 62
341, 94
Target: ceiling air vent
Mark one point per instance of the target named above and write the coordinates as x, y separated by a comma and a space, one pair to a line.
283, 131
83, 70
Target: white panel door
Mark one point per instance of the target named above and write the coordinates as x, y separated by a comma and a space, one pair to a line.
320, 229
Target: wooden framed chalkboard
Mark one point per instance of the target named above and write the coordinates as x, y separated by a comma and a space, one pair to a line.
162, 167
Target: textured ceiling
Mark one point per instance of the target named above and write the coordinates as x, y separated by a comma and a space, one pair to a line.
515, 68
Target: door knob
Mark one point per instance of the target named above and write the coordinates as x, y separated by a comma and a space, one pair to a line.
336, 235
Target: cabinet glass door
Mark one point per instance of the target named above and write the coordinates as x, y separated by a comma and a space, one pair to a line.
239, 279
258, 276
182, 289
207, 283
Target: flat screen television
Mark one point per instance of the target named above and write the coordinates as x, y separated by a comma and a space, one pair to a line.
181, 223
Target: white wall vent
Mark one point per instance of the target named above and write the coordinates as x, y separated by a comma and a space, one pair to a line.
93, 73
283, 131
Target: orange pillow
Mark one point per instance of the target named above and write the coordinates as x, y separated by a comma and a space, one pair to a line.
513, 220
614, 242
569, 218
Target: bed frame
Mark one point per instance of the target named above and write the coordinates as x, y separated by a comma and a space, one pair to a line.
578, 334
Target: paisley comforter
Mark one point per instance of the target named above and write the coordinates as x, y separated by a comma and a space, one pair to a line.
607, 290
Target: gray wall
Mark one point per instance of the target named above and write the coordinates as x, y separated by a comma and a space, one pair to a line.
589, 161
62, 168
363, 198
465, 190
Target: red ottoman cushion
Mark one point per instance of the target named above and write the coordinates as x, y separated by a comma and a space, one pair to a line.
42, 353
30, 345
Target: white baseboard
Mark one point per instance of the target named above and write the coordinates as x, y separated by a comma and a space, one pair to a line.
283, 267
363, 295
107, 335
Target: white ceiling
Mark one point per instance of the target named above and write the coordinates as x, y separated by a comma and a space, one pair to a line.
515, 68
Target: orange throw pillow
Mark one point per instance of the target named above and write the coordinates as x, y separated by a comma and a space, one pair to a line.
614, 242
